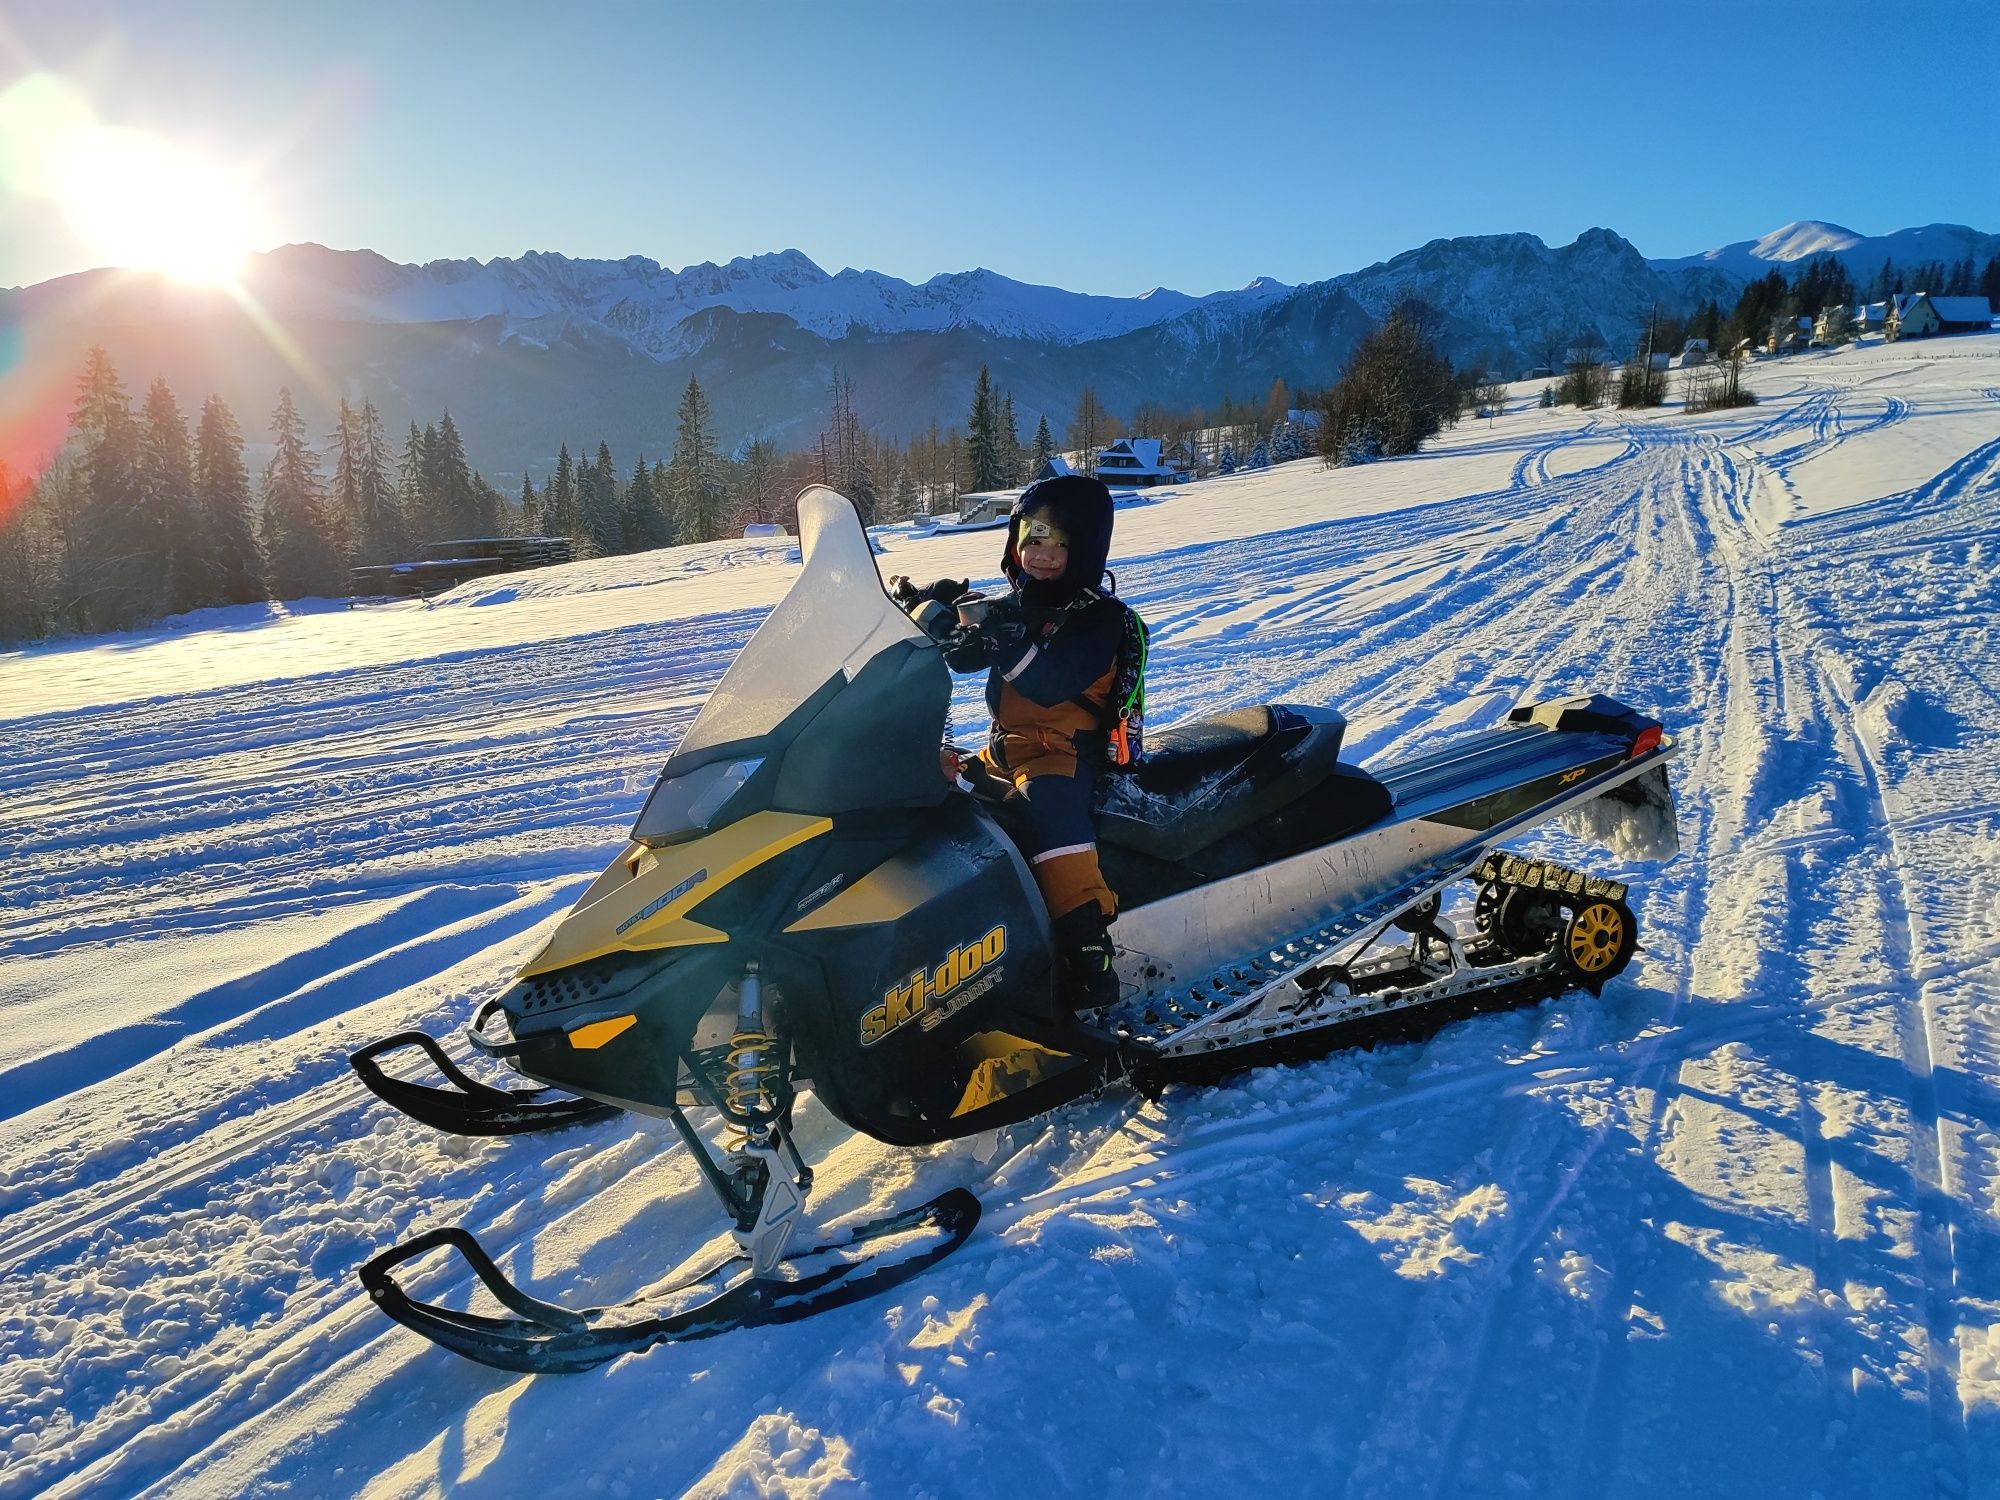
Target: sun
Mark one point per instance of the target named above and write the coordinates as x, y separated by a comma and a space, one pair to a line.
144, 204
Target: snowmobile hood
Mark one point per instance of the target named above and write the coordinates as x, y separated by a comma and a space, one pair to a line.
1082, 507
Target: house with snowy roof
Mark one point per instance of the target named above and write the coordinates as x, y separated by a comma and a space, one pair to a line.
1916, 315
1694, 352
1135, 463
1789, 335
1053, 467
1871, 317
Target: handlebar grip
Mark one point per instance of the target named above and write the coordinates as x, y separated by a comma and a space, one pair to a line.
934, 619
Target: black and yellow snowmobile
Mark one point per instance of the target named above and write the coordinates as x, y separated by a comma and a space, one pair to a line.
807, 900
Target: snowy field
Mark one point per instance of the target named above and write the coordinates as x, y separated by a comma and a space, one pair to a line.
1731, 1230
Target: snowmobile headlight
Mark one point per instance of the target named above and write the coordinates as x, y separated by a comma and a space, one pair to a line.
691, 802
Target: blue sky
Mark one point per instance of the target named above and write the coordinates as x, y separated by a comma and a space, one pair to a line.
1106, 147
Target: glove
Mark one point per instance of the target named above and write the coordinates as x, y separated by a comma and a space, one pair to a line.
975, 647
908, 595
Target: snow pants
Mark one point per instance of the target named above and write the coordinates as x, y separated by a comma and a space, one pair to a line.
1051, 807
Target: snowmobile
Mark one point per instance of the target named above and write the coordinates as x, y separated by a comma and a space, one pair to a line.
806, 899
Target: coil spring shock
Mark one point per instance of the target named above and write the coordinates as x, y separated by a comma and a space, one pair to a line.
751, 1063
753, 1054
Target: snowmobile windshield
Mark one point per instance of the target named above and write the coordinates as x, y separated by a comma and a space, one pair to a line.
835, 698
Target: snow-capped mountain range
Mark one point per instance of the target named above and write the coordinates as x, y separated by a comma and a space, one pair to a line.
644, 302
533, 351
1861, 254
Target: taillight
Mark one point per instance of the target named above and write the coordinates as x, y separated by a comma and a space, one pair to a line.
1649, 739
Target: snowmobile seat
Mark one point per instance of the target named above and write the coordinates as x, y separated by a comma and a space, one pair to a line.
1201, 782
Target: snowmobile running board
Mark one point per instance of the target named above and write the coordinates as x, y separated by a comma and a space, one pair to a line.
469, 1107
1302, 1003
1260, 997
547, 1338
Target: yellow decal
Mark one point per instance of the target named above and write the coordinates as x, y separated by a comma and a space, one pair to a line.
903, 1003
597, 1033
641, 904
1002, 1066
1576, 775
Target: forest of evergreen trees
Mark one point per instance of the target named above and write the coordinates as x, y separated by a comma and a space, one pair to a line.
137, 517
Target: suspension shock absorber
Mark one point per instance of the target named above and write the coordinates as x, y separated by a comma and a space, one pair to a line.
753, 1056
766, 1195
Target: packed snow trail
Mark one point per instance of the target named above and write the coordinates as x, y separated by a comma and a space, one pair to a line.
1729, 1230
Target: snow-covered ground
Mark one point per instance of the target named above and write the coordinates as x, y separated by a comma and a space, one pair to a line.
1731, 1230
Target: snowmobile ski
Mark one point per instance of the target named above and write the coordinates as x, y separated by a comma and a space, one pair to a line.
469, 1107
543, 1337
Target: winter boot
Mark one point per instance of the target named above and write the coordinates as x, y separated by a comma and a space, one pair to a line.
1083, 946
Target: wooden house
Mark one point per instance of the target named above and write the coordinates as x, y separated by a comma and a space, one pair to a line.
1136, 463
1917, 315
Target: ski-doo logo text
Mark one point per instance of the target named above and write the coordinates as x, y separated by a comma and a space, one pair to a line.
903, 1003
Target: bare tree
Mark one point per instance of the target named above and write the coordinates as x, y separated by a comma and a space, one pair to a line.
1089, 429
1584, 378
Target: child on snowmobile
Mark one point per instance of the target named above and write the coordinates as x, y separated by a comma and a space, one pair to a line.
1052, 649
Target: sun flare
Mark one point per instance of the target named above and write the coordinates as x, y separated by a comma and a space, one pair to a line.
136, 200
146, 205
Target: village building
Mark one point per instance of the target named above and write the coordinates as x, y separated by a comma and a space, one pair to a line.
985, 507
1693, 353
1136, 463
1790, 335
1916, 315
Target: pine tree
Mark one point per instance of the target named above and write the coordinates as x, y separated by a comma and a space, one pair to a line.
1044, 448
982, 438
695, 494
413, 492
562, 516
645, 523
179, 532
25, 560
489, 507
758, 481
904, 496
530, 520
365, 500
222, 488
301, 552
597, 501
458, 502
120, 583
1011, 457
437, 518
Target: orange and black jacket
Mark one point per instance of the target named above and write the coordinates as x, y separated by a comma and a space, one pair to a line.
1050, 675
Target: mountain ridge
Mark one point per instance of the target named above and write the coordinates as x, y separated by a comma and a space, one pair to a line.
533, 350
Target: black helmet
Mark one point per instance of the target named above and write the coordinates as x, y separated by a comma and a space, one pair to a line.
1079, 505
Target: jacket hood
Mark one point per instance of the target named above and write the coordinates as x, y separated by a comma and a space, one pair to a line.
1081, 506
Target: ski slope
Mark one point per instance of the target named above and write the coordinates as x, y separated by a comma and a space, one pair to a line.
1731, 1230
